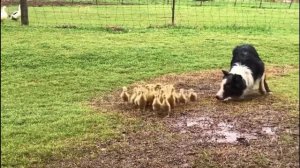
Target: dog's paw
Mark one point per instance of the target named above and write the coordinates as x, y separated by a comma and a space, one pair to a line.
242, 97
227, 99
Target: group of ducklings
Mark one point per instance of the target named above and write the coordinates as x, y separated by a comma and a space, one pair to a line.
158, 97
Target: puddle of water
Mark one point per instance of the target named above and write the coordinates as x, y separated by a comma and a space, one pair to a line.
227, 136
222, 132
203, 122
222, 136
268, 130
225, 126
183, 132
191, 123
179, 125
225, 133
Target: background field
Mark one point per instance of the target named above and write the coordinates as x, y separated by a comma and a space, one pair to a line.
50, 71
144, 13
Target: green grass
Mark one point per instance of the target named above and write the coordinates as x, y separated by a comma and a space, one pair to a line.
49, 75
287, 85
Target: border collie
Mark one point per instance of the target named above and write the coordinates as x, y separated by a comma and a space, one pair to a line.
247, 70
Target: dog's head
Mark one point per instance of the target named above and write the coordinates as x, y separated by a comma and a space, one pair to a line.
233, 85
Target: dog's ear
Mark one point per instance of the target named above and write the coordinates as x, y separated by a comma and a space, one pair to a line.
238, 81
225, 72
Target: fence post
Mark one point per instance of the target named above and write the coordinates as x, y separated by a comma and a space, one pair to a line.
173, 12
235, 2
260, 3
24, 12
291, 4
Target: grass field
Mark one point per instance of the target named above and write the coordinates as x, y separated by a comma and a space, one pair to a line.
50, 75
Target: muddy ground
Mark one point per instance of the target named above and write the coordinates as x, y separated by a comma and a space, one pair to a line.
261, 131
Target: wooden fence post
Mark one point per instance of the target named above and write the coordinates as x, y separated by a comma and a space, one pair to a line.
173, 12
260, 4
24, 12
291, 4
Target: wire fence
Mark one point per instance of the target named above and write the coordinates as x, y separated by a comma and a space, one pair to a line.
279, 14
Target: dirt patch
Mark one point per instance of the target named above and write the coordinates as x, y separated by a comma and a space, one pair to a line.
256, 132
205, 84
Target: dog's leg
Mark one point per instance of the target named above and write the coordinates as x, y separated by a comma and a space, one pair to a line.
267, 87
262, 89
263, 86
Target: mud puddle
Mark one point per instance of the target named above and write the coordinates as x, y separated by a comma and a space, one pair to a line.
207, 129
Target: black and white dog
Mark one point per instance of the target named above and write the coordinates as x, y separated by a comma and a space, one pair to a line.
247, 70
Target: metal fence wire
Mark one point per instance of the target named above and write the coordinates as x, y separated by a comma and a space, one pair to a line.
281, 14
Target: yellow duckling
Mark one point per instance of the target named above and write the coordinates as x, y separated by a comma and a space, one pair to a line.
182, 97
141, 100
157, 86
171, 98
150, 94
156, 105
133, 95
124, 95
192, 95
165, 106
161, 93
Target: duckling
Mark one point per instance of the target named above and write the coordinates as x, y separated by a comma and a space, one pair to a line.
141, 100
171, 98
4, 14
157, 86
138, 94
150, 95
156, 105
182, 97
161, 93
144, 89
177, 95
124, 95
192, 95
165, 106
170, 88
166, 88
148, 86
133, 95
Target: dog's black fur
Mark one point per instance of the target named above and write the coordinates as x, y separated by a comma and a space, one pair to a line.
248, 56
246, 70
